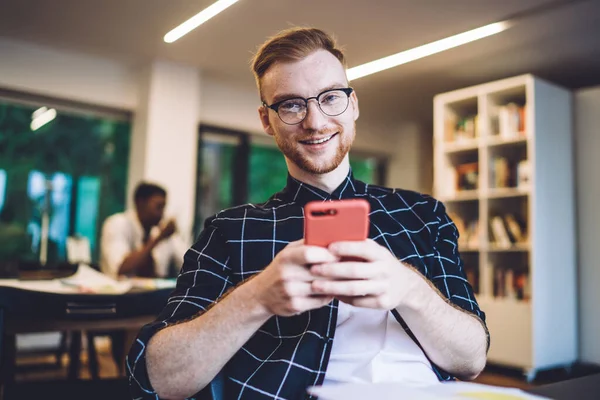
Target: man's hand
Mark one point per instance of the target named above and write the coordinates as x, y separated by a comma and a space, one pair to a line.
451, 337
167, 230
284, 287
380, 281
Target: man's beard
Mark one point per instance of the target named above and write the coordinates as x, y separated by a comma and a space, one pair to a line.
290, 148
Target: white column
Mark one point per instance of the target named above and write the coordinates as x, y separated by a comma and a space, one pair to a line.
587, 143
164, 139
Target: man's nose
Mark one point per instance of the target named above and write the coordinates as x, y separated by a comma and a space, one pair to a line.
315, 119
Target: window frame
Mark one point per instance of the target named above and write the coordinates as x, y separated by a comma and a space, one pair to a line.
241, 165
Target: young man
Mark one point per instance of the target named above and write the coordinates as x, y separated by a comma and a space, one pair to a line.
275, 315
132, 242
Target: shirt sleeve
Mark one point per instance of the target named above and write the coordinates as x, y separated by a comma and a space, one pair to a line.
448, 274
204, 278
115, 245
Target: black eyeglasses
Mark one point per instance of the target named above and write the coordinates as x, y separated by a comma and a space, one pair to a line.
331, 102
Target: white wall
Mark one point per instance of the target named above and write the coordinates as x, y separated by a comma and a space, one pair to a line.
229, 106
587, 145
66, 75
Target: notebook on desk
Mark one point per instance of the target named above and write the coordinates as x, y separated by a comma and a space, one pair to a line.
442, 391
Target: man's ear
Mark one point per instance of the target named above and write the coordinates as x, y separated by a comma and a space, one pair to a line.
263, 113
354, 104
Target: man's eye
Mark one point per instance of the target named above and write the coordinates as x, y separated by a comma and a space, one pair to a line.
330, 98
291, 106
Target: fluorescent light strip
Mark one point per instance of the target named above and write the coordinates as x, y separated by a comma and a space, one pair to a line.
425, 50
38, 112
41, 117
198, 20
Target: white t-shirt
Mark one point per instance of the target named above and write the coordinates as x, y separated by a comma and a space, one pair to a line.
123, 233
370, 346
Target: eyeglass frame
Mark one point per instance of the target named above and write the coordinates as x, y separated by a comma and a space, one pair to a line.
275, 106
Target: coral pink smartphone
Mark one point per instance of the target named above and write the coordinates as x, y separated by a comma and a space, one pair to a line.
336, 221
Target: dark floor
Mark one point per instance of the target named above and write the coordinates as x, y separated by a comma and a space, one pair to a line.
39, 377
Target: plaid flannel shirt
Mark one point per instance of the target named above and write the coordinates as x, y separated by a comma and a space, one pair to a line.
288, 354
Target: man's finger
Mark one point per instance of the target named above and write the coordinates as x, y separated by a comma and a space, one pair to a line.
349, 288
367, 250
292, 272
304, 255
347, 270
298, 288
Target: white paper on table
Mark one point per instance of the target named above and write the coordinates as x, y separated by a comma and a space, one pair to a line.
379, 391
85, 280
96, 282
153, 283
397, 391
469, 390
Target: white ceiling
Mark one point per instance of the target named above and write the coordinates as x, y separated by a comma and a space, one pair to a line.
561, 44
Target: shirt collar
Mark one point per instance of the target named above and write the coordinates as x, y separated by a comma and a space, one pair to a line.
302, 193
131, 214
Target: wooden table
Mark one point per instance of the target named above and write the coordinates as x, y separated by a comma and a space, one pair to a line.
27, 311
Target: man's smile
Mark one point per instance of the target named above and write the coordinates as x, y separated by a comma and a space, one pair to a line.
318, 140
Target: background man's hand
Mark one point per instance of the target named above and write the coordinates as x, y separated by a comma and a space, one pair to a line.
380, 281
167, 230
284, 288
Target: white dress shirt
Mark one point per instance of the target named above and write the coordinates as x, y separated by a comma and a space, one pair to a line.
370, 346
123, 233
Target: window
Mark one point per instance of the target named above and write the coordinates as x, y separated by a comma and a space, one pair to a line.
267, 174
235, 167
63, 175
214, 186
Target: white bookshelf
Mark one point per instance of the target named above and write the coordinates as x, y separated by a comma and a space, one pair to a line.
533, 321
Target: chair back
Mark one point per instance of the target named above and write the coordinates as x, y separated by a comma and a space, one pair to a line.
215, 390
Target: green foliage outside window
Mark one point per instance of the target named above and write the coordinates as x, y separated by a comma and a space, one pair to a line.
364, 169
215, 182
87, 155
267, 173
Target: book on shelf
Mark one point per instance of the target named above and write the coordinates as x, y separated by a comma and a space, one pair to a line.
499, 232
511, 283
467, 176
457, 130
510, 121
507, 174
523, 174
507, 230
515, 229
500, 173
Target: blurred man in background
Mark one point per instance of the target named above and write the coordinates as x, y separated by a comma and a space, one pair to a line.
139, 242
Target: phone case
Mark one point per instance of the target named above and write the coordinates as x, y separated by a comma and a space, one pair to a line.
336, 221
